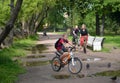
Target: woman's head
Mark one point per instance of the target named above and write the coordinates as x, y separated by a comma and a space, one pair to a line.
76, 26
83, 26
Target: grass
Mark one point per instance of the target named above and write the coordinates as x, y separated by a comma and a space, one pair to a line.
17, 49
112, 39
9, 70
109, 73
111, 42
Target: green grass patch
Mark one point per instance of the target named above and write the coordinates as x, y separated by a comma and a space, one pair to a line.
109, 73
34, 37
105, 50
9, 69
18, 48
113, 40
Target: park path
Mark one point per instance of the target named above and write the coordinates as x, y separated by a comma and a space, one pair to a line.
45, 74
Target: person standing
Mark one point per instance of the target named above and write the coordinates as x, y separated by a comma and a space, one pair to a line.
83, 35
45, 30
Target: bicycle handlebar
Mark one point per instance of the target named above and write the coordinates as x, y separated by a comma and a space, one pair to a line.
71, 48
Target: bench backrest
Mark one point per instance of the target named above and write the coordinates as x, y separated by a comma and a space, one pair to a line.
99, 39
90, 40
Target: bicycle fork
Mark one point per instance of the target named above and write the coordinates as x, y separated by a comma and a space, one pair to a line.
73, 62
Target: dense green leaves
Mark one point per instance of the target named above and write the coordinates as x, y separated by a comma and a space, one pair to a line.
4, 12
35, 13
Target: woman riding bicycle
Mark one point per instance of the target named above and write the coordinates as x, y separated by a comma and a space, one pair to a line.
75, 34
83, 35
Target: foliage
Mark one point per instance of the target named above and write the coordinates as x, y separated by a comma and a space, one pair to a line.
78, 11
4, 12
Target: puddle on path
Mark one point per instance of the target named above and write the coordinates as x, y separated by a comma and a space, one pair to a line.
36, 51
38, 48
36, 56
36, 63
66, 76
92, 59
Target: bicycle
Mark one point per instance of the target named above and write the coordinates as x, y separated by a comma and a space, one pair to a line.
76, 41
74, 63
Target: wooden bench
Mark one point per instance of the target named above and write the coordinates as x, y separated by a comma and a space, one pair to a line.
95, 42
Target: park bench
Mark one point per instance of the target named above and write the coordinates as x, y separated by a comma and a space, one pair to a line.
90, 41
95, 42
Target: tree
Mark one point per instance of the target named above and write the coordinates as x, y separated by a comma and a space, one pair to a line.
11, 21
103, 8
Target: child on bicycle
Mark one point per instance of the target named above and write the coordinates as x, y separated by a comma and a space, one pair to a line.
83, 35
61, 45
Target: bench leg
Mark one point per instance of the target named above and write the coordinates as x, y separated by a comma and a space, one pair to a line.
97, 48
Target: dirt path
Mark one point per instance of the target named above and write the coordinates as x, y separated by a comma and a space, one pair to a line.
44, 74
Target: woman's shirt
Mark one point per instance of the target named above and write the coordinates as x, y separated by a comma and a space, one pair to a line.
83, 32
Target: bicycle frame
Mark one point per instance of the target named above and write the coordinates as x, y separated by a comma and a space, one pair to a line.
70, 56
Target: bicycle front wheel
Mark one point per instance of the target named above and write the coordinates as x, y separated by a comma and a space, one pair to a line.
75, 66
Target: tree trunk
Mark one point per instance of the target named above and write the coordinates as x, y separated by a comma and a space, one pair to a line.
103, 25
11, 21
35, 30
44, 15
31, 23
97, 24
11, 32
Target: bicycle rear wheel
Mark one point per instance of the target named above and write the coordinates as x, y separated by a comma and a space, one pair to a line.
75, 66
56, 64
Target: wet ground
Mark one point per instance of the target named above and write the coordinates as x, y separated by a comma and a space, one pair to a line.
39, 69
